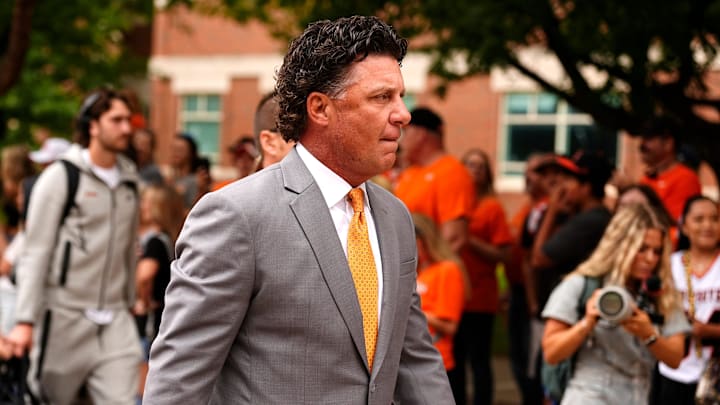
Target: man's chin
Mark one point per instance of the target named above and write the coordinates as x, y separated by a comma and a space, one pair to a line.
389, 161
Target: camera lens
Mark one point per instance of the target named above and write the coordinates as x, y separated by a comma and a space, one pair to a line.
611, 303
614, 304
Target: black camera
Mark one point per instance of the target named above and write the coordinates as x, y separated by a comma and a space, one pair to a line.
615, 303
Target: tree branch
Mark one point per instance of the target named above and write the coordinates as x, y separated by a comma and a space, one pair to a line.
564, 55
18, 44
514, 62
610, 69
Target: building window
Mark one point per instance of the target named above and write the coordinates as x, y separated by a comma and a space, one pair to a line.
200, 116
541, 122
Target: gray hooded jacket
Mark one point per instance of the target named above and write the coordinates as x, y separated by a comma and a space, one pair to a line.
88, 261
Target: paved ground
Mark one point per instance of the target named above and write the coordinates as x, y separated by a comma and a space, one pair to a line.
506, 392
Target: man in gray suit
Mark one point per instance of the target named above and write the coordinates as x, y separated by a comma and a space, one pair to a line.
262, 307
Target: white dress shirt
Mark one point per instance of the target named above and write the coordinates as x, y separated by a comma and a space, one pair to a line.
334, 190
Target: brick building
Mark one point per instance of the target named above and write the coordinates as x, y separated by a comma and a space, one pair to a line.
207, 74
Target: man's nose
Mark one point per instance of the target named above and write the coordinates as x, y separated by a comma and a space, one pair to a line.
401, 116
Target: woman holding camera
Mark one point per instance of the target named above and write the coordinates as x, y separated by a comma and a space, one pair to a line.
614, 360
696, 271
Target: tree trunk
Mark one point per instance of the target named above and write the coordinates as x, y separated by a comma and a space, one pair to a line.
18, 44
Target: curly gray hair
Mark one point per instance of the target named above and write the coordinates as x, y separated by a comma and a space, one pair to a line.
320, 59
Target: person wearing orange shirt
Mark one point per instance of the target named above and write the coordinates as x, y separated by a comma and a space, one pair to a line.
435, 183
673, 182
489, 243
440, 284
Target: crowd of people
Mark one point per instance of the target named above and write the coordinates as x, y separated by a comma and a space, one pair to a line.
306, 271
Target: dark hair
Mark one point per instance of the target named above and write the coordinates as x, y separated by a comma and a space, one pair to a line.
202, 162
266, 114
320, 59
428, 119
683, 240
654, 202
597, 171
662, 125
97, 103
193, 149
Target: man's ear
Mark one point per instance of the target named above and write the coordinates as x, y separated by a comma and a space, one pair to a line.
318, 108
267, 143
93, 128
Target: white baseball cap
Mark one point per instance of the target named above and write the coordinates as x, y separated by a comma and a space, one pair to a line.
50, 150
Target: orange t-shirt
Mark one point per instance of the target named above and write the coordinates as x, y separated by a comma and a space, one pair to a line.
441, 291
220, 184
674, 186
443, 191
488, 224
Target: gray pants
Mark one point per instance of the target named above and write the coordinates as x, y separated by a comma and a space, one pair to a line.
69, 350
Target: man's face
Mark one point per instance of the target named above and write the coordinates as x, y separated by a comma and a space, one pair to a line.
370, 112
112, 130
654, 149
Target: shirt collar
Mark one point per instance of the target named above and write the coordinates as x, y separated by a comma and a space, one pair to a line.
333, 187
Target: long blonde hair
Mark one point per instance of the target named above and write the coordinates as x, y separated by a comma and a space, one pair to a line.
613, 258
437, 247
166, 208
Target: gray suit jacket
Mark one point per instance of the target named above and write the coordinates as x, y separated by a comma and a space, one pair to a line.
261, 308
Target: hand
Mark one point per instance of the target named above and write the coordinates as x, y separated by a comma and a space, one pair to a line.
557, 196
621, 179
5, 349
591, 311
140, 308
559, 199
698, 328
20, 339
639, 324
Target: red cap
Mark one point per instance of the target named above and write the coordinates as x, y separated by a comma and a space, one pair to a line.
563, 164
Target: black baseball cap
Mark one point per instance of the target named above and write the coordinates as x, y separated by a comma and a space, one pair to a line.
426, 118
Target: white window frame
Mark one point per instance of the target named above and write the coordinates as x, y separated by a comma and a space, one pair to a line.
202, 114
510, 173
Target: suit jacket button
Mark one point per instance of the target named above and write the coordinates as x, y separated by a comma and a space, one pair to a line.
373, 387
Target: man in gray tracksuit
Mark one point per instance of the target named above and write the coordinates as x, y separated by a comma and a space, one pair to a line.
76, 275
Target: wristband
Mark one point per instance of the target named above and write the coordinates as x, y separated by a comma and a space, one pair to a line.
651, 339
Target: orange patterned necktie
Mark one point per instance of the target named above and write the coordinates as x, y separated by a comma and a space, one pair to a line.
364, 273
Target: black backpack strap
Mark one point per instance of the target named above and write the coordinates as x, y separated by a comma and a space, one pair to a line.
590, 284
133, 187
73, 178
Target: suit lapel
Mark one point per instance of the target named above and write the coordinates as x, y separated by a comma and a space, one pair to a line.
314, 219
387, 238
